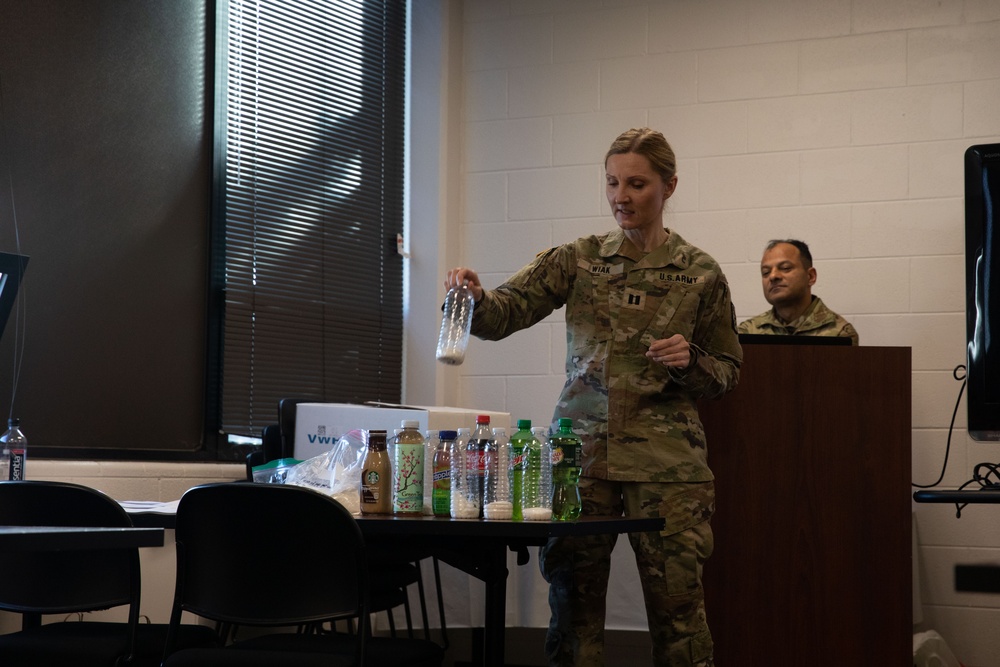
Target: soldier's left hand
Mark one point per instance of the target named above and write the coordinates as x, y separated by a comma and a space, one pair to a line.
673, 352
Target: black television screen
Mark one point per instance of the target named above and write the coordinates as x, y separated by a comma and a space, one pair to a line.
11, 271
982, 300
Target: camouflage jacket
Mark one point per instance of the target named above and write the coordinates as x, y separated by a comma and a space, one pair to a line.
639, 421
818, 320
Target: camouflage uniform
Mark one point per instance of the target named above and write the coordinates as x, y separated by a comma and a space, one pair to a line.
818, 320
644, 450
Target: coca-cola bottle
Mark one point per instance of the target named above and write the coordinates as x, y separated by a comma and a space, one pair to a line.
475, 461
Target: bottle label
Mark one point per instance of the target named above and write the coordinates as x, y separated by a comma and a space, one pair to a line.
17, 464
567, 454
441, 493
475, 462
371, 490
408, 478
557, 455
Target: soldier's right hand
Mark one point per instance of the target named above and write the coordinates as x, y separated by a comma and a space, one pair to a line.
461, 274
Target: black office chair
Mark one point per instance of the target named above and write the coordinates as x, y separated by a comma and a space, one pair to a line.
389, 592
75, 582
223, 533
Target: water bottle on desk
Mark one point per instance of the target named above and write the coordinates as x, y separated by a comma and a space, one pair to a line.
566, 447
431, 443
536, 482
441, 493
464, 503
13, 451
497, 502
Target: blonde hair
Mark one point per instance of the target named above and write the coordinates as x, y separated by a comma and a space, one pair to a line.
650, 144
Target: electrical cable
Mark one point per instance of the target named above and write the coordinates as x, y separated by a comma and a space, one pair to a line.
986, 475
951, 427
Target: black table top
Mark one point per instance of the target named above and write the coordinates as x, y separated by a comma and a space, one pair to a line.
68, 538
375, 525
531, 531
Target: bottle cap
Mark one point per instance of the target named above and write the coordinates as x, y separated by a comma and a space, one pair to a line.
410, 423
523, 424
14, 422
448, 435
565, 421
483, 419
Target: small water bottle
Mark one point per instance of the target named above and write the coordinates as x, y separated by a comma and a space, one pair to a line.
536, 481
462, 507
497, 503
430, 449
13, 451
441, 464
455, 325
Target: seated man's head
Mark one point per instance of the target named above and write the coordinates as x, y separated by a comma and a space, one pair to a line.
787, 275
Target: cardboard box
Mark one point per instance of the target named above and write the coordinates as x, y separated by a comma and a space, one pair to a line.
319, 425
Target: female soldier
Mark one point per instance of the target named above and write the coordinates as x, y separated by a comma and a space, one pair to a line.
650, 330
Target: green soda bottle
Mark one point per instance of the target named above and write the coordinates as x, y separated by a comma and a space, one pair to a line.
518, 440
566, 446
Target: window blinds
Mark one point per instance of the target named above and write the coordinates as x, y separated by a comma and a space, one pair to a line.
312, 201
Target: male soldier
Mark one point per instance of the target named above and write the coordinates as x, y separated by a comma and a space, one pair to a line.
787, 274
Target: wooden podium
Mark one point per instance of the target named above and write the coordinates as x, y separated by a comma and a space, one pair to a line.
812, 563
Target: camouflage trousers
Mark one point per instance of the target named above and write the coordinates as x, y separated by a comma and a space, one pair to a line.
670, 566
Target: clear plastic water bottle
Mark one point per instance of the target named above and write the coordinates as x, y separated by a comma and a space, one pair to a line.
497, 502
464, 504
13, 451
441, 493
430, 450
536, 483
455, 325
566, 446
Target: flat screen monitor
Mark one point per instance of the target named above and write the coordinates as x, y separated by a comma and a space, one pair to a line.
11, 272
982, 290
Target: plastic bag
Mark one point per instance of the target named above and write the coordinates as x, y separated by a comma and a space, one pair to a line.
274, 472
336, 472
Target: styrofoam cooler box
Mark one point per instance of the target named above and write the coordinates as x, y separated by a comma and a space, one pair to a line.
319, 425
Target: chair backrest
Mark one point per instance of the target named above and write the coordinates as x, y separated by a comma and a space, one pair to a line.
226, 531
66, 581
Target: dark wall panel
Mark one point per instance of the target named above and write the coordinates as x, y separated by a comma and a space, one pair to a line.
105, 159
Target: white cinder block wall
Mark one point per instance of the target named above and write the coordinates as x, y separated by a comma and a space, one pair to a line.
840, 122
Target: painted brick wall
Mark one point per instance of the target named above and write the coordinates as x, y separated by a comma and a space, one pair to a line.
839, 122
